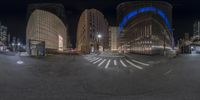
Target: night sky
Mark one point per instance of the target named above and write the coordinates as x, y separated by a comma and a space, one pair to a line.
13, 14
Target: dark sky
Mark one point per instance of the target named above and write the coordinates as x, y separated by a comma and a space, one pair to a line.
13, 13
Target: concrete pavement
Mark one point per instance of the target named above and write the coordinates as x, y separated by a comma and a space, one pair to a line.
115, 61
79, 78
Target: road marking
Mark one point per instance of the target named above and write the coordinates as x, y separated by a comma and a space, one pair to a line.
97, 61
123, 63
94, 59
20, 62
107, 64
115, 62
136, 66
169, 71
145, 64
101, 62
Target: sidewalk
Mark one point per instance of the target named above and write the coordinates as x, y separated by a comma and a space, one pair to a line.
8, 53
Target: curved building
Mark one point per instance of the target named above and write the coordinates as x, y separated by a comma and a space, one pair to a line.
44, 26
91, 24
145, 27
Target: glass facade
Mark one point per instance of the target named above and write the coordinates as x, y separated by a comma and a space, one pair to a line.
145, 27
47, 27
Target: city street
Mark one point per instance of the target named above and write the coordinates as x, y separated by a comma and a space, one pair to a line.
99, 77
100, 50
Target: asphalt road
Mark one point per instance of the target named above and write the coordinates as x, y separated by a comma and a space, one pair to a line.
99, 77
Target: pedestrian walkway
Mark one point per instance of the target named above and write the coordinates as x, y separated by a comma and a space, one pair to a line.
115, 62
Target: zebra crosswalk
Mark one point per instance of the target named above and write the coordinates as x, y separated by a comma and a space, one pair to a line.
108, 62
101, 62
136, 66
115, 62
97, 61
94, 59
123, 63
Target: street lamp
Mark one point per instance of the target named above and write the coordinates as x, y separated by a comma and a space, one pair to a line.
13, 44
99, 36
19, 44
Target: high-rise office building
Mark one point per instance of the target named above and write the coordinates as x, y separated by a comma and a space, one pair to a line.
145, 27
3, 37
3, 34
92, 32
46, 26
196, 28
113, 32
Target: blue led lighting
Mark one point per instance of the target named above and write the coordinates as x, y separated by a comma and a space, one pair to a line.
143, 10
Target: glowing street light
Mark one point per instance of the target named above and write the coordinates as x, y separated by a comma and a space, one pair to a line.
13, 44
99, 36
19, 44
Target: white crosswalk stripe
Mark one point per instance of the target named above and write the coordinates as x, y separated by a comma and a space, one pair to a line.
123, 63
115, 62
107, 64
101, 63
94, 59
97, 61
136, 66
141, 63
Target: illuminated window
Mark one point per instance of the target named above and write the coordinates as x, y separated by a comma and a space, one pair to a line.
60, 43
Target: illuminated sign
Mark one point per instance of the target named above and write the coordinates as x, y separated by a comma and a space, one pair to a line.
143, 10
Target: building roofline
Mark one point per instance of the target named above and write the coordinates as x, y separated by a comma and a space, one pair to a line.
164, 2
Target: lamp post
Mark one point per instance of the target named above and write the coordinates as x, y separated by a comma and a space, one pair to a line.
13, 47
99, 36
18, 46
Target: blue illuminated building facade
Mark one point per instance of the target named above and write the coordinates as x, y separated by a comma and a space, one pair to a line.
144, 10
145, 27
